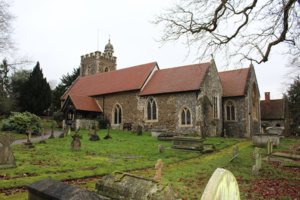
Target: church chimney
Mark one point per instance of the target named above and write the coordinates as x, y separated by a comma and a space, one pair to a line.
267, 96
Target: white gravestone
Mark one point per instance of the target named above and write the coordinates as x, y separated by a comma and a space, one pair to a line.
221, 185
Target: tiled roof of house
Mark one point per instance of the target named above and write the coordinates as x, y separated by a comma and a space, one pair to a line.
234, 82
127, 79
178, 79
273, 109
85, 103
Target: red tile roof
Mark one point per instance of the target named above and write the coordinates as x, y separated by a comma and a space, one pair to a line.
178, 79
234, 82
273, 109
85, 103
121, 80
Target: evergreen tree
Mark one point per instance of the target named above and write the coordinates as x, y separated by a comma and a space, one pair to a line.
294, 100
36, 93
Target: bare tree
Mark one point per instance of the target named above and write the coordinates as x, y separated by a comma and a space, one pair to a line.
244, 29
53, 83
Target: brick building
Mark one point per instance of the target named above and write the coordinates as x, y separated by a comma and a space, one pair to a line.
182, 99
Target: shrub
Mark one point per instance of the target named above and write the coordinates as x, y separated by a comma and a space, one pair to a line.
102, 123
58, 117
19, 122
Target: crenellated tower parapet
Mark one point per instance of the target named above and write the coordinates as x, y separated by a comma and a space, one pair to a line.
98, 62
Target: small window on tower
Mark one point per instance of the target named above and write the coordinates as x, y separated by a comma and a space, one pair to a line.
106, 69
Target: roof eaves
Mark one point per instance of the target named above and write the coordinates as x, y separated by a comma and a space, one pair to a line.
69, 87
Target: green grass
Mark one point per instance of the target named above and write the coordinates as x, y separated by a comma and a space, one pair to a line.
55, 159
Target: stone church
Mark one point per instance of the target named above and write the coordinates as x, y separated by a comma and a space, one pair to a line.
186, 99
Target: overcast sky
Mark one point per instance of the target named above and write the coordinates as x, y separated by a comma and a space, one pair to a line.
57, 32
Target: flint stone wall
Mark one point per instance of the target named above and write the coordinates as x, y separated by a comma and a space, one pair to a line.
124, 185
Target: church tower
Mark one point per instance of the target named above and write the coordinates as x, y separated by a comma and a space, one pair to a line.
97, 62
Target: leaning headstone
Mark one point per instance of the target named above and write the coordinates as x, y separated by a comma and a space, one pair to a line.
53, 189
76, 144
52, 131
221, 185
107, 136
91, 130
7, 159
42, 141
121, 127
28, 144
158, 168
161, 148
95, 137
139, 130
120, 185
235, 153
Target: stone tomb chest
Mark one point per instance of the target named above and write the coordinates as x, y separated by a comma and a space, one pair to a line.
190, 143
275, 130
261, 139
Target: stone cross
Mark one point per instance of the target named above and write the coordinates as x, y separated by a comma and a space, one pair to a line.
161, 148
7, 159
76, 144
158, 168
52, 132
29, 131
235, 153
90, 130
42, 141
257, 163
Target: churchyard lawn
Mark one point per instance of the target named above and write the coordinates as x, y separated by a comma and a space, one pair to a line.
188, 172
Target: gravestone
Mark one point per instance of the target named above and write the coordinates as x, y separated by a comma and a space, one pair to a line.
221, 186
42, 141
139, 130
91, 130
68, 133
120, 185
257, 162
52, 131
158, 168
269, 147
161, 148
28, 144
76, 144
52, 189
95, 137
7, 159
107, 136
235, 153
133, 130
83, 127
121, 127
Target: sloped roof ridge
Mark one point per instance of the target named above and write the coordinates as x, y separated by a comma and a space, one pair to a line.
78, 95
235, 69
185, 66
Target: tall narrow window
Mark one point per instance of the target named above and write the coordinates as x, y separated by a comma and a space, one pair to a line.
151, 109
185, 116
117, 115
230, 111
215, 101
254, 102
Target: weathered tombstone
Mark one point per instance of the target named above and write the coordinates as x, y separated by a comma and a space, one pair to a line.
95, 137
90, 130
52, 131
208, 147
107, 136
257, 162
68, 132
139, 130
271, 146
158, 168
120, 185
268, 160
42, 141
53, 189
121, 127
76, 144
235, 153
203, 135
221, 185
133, 130
161, 148
7, 159
28, 144
268, 147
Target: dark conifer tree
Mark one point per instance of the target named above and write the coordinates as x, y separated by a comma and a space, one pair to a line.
36, 92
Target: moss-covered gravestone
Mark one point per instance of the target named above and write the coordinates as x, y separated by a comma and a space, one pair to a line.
68, 132
7, 159
119, 185
42, 141
28, 144
139, 130
161, 148
221, 185
76, 144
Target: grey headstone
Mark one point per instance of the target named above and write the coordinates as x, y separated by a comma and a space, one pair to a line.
161, 148
76, 144
7, 159
235, 153
139, 130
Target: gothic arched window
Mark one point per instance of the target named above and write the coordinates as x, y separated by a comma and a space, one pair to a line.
230, 111
117, 114
254, 102
151, 109
185, 116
